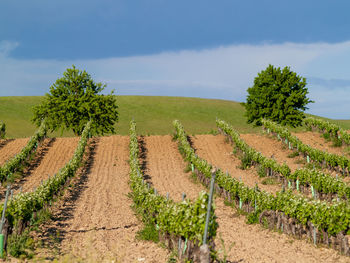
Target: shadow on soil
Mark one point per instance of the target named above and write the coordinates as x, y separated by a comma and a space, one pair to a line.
143, 158
53, 232
190, 141
33, 163
101, 228
4, 142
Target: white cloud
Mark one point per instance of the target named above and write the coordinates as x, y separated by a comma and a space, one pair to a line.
6, 47
223, 72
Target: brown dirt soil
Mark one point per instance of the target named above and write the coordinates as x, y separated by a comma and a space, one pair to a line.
3, 142
166, 168
11, 148
97, 224
315, 140
216, 151
270, 147
55, 157
251, 243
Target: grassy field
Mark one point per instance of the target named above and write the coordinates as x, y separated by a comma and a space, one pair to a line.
154, 115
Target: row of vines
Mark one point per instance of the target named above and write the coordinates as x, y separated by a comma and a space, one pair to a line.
23, 206
326, 185
181, 225
22, 157
329, 160
327, 127
325, 222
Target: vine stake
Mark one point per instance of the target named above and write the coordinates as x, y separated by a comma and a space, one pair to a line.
209, 206
3, 222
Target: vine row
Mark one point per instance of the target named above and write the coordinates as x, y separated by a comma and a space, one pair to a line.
302, 216
329, 160
22, 206
330, 128
323, 186
185, 220
20, 159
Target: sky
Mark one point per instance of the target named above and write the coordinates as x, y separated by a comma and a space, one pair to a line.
207, 49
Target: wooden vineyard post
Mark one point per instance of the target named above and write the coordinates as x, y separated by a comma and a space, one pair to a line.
3, 222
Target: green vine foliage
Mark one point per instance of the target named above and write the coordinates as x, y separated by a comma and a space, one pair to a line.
2, 130
23, 205
332, 217
256, 157
185, 219
327, 127
332, 160
13, 164
322, 182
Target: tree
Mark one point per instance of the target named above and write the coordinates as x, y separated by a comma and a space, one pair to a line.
278, 95
74, 99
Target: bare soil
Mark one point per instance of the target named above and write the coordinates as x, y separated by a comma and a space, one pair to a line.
166, 168
216, 151
97, 224
11, 148
55, 156
94, 222
315, 140
251, 243
272, 148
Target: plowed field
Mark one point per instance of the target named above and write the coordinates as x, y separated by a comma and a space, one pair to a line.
271, 148
55, 156
315, 140
95, 222
11, 148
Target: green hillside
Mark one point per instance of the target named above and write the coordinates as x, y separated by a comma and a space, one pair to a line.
154, 115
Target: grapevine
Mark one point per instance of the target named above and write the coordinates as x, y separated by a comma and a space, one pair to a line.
19, 159
333, 217
331, 128
185, 219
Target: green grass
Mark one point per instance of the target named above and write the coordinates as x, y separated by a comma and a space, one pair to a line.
154, 115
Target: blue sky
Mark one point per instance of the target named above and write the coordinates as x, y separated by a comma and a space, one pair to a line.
210, 49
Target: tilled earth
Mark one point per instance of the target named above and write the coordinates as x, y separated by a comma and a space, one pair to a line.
9, 149
94, 222
314, 139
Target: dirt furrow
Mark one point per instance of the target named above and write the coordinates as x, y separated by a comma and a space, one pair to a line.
11, 148
315, 140
55, 156
252, 243
102, 225
272, 148
216, 151
166, 168
3, 142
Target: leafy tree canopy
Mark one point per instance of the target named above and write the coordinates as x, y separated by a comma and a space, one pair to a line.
73, 100
278, 95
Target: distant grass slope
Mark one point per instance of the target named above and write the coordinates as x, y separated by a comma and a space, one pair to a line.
154, 115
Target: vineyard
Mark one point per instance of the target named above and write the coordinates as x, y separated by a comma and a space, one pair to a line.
278, 196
